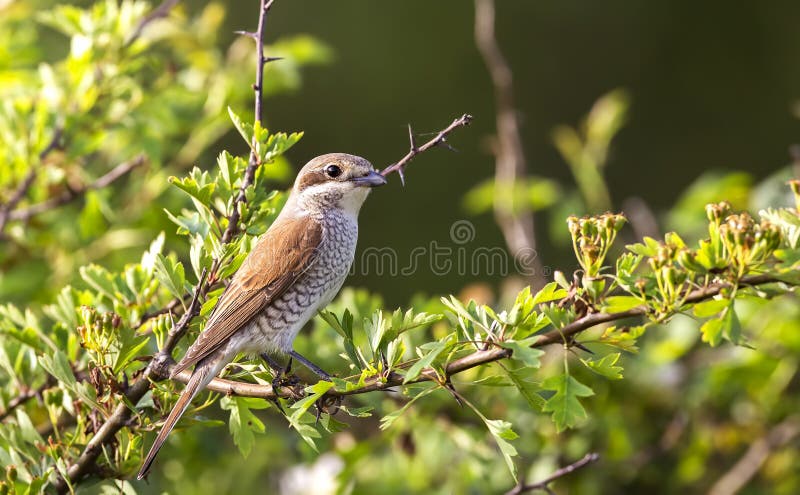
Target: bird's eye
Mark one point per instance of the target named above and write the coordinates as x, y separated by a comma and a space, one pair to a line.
333, 171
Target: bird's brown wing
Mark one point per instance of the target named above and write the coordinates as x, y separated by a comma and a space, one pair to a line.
282, 254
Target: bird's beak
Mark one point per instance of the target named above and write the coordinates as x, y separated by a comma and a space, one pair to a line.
372, 179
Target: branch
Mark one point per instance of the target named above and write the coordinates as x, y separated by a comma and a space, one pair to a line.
544, 484
70, 194
439, 140
472, 360
158, 367
516, 223
157, 13
6, 210
254, 162
750, 463
122, 415
24, 396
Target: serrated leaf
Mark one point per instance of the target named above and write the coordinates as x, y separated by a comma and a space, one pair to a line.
434, 349
549, 292
710, 308
564, 405
388, 420
528, 389
605, 366
245, 129
523, 352
619, 304
171, 275
243, 424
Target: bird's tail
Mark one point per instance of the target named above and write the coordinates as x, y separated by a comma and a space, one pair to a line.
203, 373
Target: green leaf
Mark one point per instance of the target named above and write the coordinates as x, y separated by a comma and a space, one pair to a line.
434, 349
277, 144
549, 292
345, 329
710, 308
243, 424
523, 352
297, 420
99, 279
502, 433
388, 420
527, 388
619, 304
245, 129
57, 365
171, 274
712, 331
564, 404
605, 366
494, 381
197, 190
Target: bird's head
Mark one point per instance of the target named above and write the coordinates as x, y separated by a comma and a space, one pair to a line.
335, 180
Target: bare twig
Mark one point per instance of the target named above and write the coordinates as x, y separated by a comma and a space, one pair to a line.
439, 140
70, 194
641, 218
516, 222
161, 11
748, 466
544, 485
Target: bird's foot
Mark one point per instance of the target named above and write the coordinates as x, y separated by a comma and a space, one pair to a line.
282, 377
328, 404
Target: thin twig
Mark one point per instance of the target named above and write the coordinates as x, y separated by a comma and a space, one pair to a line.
255, 161
161, 11
748, 466
70, 194
6, 210
544, 485
515, 222
439, 140
24, 396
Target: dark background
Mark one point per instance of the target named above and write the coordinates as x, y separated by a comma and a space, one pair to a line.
712, 87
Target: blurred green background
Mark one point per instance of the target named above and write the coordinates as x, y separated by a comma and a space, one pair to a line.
713, 89
713, 86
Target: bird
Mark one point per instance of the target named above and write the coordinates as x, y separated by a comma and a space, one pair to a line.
295, 269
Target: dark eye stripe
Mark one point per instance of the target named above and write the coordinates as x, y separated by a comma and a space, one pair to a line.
314, 177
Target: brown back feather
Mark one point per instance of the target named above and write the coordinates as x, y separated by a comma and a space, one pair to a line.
283, 253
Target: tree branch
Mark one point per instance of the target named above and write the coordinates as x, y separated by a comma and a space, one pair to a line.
516, 222
157, 13
155, 370
544, 485
475, 359
70, 194
748, 466
24, 396
439, 140
158, 367
254, 162
6, 211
